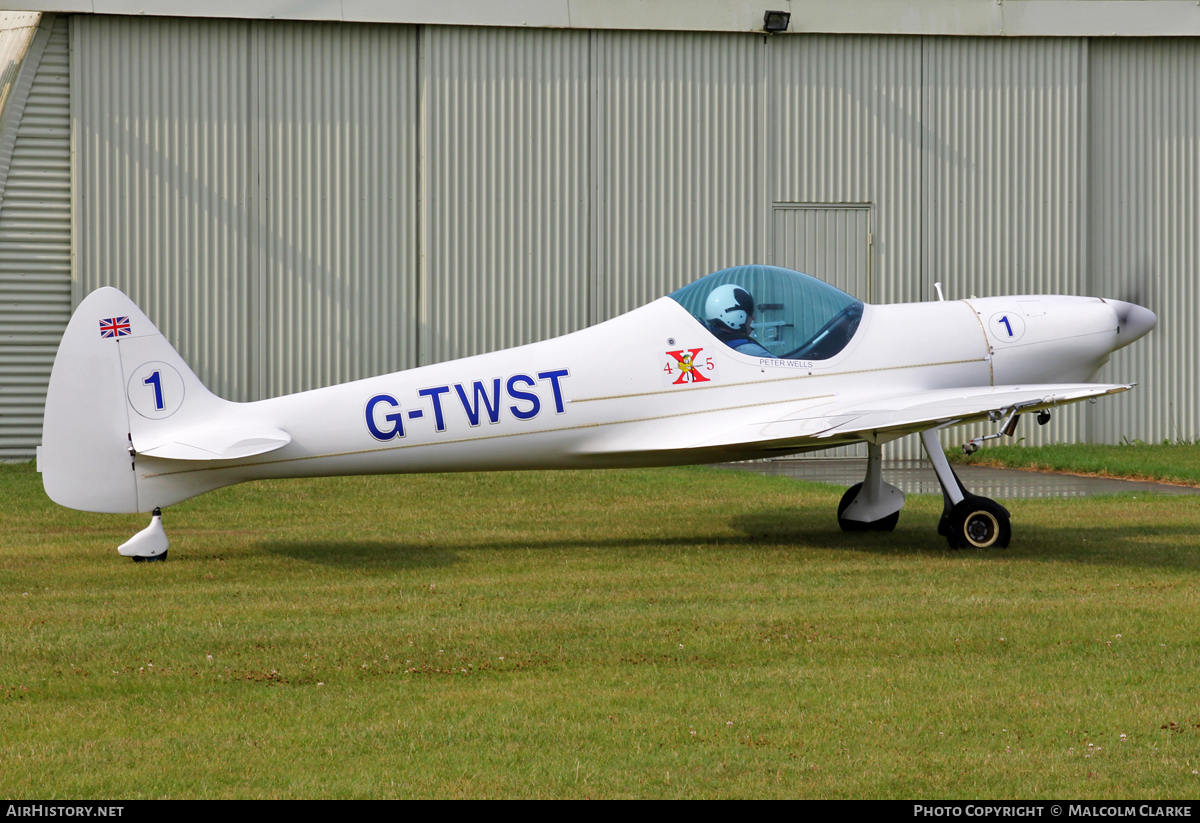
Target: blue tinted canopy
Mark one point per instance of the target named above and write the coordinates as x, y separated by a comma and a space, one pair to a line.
793, 316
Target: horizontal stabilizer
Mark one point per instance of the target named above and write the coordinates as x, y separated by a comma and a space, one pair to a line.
216, 440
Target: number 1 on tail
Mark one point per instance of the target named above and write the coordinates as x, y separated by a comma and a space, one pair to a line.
155, 380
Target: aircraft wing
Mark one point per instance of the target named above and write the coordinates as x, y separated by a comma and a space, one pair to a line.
896, 415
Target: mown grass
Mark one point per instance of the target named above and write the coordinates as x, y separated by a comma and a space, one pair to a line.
1171, 462
659, 633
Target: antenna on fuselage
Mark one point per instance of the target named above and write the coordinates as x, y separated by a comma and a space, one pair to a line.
937, 287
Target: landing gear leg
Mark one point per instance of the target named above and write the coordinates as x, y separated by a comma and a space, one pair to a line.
968, 520
871, 505
149, 544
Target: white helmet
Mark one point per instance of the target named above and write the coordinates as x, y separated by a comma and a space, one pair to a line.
729, 307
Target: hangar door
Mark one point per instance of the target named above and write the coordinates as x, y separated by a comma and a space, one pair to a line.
831, 242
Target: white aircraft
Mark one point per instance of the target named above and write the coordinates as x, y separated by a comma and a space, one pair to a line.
749, 362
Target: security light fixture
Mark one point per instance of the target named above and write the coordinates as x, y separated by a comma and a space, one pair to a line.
774, 21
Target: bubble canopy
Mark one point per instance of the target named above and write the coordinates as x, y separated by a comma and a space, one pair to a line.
795, 316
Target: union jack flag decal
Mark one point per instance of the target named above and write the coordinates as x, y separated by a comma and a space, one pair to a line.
114, 327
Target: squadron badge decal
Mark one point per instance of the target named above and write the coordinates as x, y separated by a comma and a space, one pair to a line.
687, 366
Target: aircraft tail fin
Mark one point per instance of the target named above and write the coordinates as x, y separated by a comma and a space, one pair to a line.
116, 385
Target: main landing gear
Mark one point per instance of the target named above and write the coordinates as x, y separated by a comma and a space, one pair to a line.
871, 505
968, 520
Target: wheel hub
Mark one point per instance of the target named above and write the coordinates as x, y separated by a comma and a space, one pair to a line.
981, 529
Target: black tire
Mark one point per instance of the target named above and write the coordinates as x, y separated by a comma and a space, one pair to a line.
156, 559
978, 523
884, 524
843, 504
944, 528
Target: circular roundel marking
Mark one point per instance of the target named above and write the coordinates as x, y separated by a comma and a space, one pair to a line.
1006, 326
155, 390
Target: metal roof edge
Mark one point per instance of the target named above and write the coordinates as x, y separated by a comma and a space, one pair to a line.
1016, 18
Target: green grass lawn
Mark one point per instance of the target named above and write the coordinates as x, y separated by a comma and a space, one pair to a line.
658, 633
1173, 463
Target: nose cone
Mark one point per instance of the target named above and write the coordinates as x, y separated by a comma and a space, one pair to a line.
1133, 321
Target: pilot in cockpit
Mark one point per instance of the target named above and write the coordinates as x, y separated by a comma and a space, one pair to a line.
729, 311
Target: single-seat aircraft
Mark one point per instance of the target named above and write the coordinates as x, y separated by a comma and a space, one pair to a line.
749, 362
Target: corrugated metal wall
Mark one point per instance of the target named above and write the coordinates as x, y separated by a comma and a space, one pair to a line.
337, 213
829, 242
1003, 157
1004, 144
301, 204
1144, 239
252, 187
678, 172
35, 243
845, 127
164, 182
506, 153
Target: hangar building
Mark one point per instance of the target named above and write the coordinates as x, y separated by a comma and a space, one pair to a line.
301, 194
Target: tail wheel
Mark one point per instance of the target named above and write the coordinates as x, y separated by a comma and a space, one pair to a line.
978, 523
883, 524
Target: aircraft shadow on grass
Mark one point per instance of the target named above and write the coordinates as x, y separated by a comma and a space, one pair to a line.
1165, 546
1144, 545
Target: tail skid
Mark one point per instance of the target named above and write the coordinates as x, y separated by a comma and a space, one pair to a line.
150, 543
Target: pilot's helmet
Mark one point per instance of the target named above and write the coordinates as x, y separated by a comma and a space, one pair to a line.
729, 307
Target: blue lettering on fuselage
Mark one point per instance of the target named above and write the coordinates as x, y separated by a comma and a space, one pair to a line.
479, 399
436, 393
523, 397
472, 408
553, 377
397, 418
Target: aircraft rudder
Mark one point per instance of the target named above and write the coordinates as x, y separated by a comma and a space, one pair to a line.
115, 380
